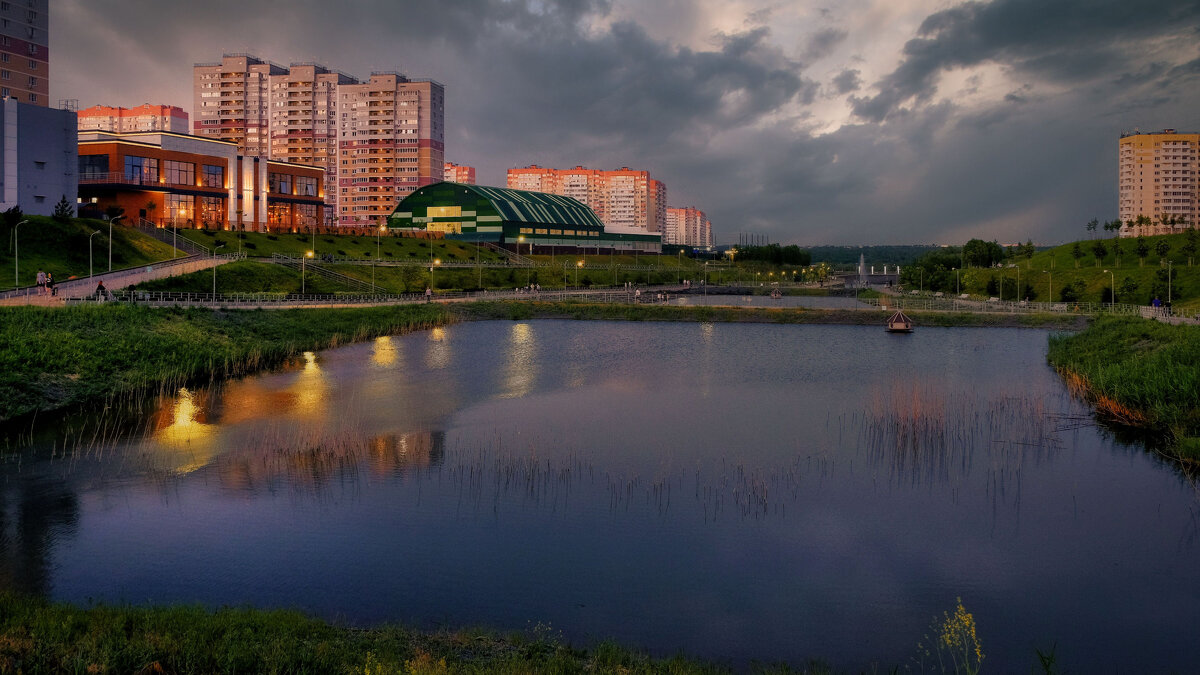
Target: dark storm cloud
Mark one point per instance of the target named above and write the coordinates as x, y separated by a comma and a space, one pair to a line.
725, 125
1065, 41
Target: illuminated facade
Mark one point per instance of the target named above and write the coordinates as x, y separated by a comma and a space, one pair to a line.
230, 101
688, 226
514, 219
175, 179
144, 117
622, 198
1157, 180
455, 173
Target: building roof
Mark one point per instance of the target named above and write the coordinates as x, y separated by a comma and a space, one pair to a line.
525, 206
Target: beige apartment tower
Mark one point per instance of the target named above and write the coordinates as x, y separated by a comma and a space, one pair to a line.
1157, 182
25, 51
624, 198
230, 101
391, 141
688, 226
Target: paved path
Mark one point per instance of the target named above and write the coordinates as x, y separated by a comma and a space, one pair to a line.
113, 281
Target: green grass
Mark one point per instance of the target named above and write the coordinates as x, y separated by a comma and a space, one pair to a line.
39, 637
57, 357
246, 276
1139, 373
62, 249
1058, 265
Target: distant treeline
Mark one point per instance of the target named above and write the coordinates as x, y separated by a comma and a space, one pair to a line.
872, 255
776, 254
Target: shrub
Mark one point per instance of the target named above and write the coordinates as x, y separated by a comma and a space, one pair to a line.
272, 237
249, 244
341, 252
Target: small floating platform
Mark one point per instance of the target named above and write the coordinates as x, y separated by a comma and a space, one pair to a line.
899, 323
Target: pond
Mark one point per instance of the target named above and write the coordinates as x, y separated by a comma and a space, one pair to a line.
736, 492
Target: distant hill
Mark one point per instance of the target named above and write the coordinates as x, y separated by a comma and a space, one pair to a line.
874, 255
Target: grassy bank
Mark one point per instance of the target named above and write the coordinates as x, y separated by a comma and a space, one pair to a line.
790, 315
1138, 373
36, 636
58, 357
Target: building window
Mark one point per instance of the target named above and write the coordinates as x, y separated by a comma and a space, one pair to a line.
179, 210
93, 165
5, 75
213, 176
32, 82
212, 212
40, 199
279, 215
306, 186
179, 173
141, 170
32, 63
5, 92
4, 57
279, 183
33, 98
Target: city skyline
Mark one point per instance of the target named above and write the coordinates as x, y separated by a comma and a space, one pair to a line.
866, 123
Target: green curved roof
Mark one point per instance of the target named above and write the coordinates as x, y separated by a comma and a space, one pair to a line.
535, 207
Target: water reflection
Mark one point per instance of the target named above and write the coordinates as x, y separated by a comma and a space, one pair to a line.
184, 434
384, 353
520, 363
34, 514
438, 352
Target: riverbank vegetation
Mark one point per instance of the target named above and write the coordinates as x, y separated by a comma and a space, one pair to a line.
64, 356
520, 310
37, 636
1140, 374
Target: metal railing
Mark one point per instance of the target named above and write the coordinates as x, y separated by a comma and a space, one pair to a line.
170, 235
928, 302
311, 266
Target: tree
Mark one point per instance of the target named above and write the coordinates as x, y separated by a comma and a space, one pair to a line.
979, 253
13, 216
63, 210
992, 287
1189, 247
1128, 288
1072, 292
1116, 250
1162, 248
1100, 250
1092, 224
1077, 253
1142, 249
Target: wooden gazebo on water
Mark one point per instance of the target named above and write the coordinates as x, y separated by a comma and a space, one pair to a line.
899, 323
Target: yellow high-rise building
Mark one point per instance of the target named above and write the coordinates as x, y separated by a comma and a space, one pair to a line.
1157, 182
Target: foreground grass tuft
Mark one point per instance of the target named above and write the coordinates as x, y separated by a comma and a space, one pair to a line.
1138, 373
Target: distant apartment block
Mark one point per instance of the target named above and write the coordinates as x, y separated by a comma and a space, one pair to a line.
391, 141
144, 117
25, 51
623, 198
37, 148
1157, 178
377, 140
688, 226
177, 180
455, 173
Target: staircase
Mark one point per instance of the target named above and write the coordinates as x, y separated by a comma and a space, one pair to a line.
514, 258
313, 268
167, 236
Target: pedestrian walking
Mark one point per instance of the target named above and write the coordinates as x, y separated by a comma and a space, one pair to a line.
41, 282
428, 294
50, 284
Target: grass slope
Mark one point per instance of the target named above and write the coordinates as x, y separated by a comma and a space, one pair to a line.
56, 357
1139, 373
246, 276
62, 249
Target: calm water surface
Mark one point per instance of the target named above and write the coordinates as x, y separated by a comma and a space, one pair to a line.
736, 492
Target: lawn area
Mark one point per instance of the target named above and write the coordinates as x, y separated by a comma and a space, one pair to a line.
62, 249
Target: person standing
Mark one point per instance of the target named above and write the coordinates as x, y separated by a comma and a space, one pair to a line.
41, 282
50, 284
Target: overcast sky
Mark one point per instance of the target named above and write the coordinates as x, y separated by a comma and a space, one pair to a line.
810, 122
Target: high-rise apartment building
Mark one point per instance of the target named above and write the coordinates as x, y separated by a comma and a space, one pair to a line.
457, 173
391, 141
623, 198
687, 226
1157, 179
377, 140
144, 117
303, 121
230, 101
25, 51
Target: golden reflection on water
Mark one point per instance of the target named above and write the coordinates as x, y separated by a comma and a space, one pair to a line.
438, 352
311, 388
384, 353
520, 366
187, 436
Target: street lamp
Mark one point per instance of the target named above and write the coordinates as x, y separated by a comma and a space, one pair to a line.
520, 240
436, 262
1018, 295
1168, 283
90, 252
1113, 295
110, 224
307, 255
957, 283
215, 270
17, 256
578, 264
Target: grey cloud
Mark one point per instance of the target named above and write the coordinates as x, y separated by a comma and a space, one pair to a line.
823, 42
847, 81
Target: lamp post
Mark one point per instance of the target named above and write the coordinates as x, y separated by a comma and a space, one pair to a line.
307, 255
214, 293
1050, 293
578, 264
436, 262
1168, 283
957, 283
175, 232
520, 240
1017, 297
110, 224
706, 282
90, 253
17, 256
1113, 295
